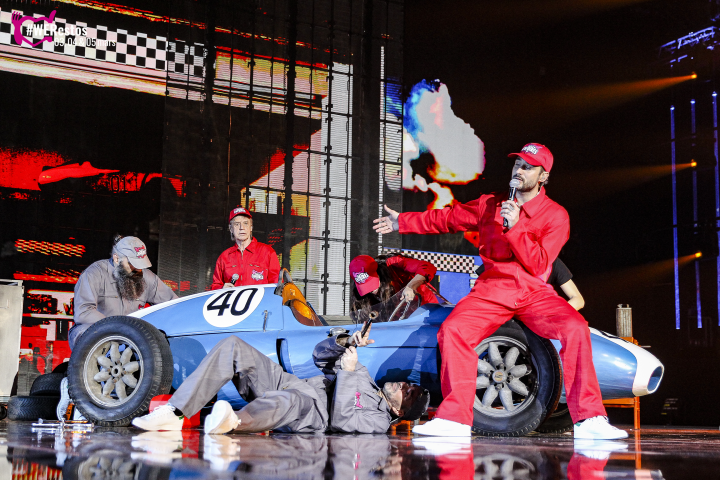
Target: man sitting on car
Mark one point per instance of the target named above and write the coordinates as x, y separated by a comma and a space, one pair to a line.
345, 399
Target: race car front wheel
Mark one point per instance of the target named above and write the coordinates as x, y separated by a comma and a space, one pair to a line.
519, 381
117, 366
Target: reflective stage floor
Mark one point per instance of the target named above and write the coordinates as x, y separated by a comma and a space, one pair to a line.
129, 454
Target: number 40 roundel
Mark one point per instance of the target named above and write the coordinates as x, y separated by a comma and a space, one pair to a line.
230, 307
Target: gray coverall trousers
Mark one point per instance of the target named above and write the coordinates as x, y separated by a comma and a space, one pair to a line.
278, 400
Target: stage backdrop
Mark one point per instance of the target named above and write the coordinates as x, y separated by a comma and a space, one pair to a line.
155, 118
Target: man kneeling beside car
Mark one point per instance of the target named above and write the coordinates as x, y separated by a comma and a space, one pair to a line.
345, 399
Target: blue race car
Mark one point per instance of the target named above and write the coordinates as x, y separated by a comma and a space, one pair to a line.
121, 363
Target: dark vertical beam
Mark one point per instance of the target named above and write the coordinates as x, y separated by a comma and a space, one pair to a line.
289, 131
366, 144
328, 161
209, 130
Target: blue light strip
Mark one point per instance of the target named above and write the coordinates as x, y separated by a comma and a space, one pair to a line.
695, 220
697, 290
717, 188
675, 235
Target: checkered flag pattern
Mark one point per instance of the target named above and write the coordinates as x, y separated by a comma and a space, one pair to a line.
444, 262
109, 45
187, 59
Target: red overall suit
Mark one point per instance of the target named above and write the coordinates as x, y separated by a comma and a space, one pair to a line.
257, 265
517, 263
404, 269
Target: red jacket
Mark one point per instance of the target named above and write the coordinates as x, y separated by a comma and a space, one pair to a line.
404, 269
517, 260
258, 264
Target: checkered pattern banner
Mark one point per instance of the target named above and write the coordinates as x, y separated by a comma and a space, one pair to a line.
105, 44
187, 59
444, 262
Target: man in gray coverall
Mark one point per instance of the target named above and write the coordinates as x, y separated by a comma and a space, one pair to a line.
345, 399
120, 285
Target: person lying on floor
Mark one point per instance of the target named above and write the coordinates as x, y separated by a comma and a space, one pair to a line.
344, 399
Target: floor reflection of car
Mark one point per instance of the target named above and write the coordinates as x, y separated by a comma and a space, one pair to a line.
114, 375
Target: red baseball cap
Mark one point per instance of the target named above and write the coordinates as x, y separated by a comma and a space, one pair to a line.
363, 270
239, 211
536, 155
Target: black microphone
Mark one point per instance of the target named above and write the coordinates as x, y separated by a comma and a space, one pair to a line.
514, 185
234, 279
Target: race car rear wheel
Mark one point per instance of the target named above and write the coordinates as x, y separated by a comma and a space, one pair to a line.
518, 382
117, 366
558, 422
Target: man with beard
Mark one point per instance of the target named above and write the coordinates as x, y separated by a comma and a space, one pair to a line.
120, 285
517, 259
345, 399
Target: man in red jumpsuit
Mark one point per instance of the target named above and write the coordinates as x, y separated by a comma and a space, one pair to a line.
517, 260
248, 262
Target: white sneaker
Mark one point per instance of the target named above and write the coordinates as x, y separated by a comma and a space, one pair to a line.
440, 427
220, 451
161, 418
440, 445
62, 406
222, 419
598, 449
598, 428
158, 447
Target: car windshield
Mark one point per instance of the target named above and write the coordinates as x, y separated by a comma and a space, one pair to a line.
392, 310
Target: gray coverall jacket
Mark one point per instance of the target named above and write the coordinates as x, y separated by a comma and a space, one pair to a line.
97, 296
283, 402
356, 405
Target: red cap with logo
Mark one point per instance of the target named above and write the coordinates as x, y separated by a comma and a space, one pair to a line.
239, 211
536, 155
363, 270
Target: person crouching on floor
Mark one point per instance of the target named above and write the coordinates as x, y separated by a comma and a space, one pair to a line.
285, 403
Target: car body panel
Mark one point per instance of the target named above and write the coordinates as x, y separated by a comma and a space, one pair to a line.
404, 350
623, 369
190, 315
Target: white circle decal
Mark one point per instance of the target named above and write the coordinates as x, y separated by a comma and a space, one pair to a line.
231, 307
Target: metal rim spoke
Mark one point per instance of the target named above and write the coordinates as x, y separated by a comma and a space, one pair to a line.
129, 380
484, 367
131, 367
120, 390
103, 361
519, 371
506, 399
126, 355
108, 388
114, 352
490, 395
494, 355
511, 357
518, 387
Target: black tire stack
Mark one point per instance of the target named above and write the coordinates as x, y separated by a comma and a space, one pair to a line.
42, 401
